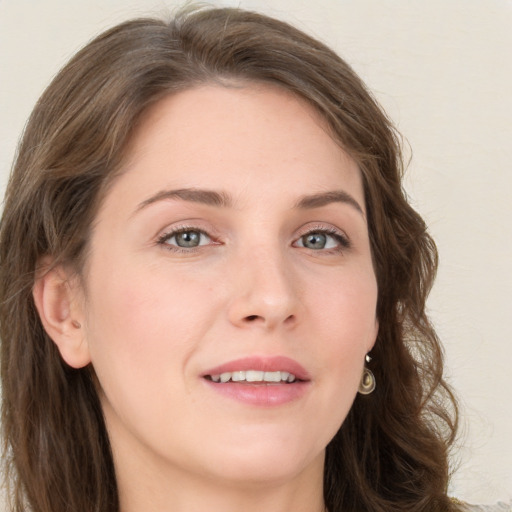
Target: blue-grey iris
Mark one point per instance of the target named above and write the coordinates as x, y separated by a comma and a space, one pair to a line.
314, 241
188, 239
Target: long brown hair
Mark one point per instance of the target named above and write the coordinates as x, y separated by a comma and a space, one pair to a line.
391, 453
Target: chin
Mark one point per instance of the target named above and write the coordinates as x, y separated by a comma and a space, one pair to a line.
267, 460
268, 471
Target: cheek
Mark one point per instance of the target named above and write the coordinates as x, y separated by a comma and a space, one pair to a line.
145, 325
143, 301
143, 332
346, 328
345, 310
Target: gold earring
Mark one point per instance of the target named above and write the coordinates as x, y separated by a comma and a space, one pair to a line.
368, 383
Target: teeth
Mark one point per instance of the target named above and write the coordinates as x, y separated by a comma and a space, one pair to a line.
284, 375
272, 377
253, 376
237, 376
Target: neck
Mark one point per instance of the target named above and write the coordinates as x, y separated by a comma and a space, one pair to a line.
198, 498
167, 490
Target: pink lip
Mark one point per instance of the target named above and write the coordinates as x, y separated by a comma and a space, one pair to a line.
264, 364
261, 394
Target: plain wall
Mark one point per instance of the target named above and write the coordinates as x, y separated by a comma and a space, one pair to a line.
443, 71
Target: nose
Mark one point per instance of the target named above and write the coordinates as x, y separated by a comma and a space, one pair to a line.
265, 292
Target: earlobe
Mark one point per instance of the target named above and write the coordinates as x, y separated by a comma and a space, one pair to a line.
61, 313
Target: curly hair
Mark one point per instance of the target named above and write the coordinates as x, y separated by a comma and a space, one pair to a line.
391, 453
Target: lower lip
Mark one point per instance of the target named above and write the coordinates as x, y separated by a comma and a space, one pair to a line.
263, 395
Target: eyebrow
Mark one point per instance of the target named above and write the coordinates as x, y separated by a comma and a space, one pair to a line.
324, 198
195, 195
223, 200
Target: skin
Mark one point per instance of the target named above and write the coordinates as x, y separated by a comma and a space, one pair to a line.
153, 317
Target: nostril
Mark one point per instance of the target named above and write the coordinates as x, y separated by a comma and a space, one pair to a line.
252, 318
290, 319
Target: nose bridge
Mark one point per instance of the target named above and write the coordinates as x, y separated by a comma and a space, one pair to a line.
265, 292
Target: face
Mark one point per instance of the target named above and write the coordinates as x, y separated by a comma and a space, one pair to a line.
230, 295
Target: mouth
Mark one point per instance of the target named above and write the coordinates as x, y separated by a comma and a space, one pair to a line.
254, 377
260, 381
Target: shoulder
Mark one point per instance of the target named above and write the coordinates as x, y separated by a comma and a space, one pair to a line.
499, 507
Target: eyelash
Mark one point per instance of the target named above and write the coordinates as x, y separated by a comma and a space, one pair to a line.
341, 239
164, 238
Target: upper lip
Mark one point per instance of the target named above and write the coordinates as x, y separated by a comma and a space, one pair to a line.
261, 363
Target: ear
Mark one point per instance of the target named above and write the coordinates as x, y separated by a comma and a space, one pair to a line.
57, 296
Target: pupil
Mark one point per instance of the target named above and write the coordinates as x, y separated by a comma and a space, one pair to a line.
188, 239
314, 241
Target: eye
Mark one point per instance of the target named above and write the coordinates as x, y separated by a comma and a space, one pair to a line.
185, 238
323, 239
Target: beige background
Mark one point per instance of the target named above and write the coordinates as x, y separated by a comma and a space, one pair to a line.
443, 71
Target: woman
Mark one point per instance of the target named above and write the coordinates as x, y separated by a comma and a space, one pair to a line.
204, 238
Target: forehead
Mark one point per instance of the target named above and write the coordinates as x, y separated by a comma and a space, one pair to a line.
231, 111
212, 135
